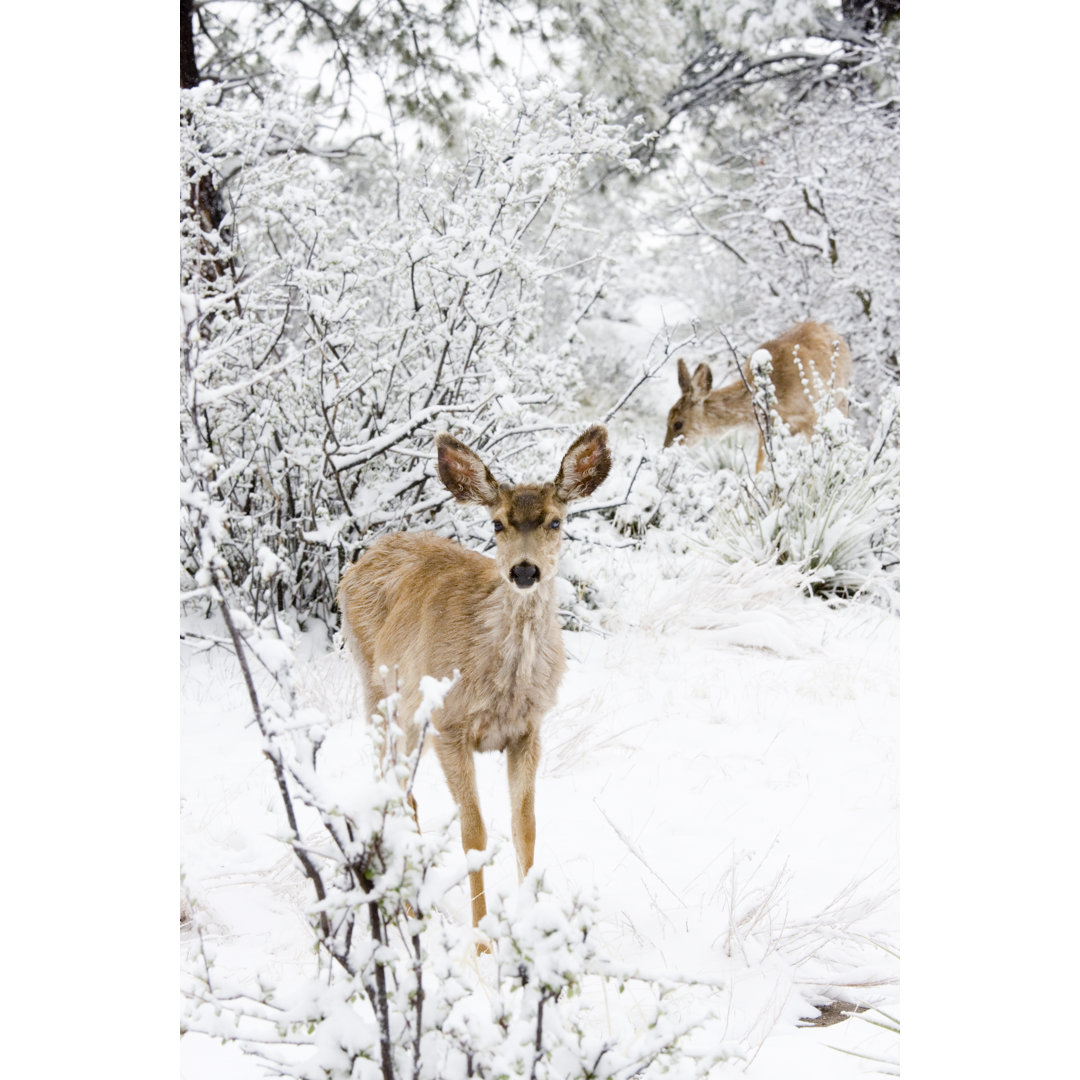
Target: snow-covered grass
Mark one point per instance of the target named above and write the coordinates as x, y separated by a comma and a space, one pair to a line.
720, 773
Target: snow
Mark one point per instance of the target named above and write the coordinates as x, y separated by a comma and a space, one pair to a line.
655, 312
719, 774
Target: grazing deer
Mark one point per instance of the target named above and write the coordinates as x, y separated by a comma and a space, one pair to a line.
422, 605
810, 351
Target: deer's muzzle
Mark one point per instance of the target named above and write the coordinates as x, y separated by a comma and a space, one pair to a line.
525, 575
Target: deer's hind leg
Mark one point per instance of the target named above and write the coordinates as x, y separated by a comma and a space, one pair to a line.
378, 686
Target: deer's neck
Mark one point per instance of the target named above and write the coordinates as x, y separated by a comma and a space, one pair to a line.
730, 404
526, 651
519, 616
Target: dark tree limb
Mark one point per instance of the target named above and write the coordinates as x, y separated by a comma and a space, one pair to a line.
189, 70
275, 759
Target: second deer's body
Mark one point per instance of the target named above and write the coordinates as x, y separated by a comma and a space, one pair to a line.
808, 361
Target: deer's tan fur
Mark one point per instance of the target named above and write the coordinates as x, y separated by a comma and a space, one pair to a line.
824, 358
418, 604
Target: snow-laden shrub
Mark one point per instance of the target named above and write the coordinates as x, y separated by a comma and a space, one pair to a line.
829, 505
337, 317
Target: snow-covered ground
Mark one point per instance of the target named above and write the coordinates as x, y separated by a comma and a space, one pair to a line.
721, 769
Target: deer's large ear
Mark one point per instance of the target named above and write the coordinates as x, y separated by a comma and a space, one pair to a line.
701, 382
584, 466
466, 477
684, 376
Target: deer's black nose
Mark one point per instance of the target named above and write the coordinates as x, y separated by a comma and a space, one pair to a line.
525, 575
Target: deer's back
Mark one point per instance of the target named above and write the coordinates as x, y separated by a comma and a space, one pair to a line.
815, 350
410, 590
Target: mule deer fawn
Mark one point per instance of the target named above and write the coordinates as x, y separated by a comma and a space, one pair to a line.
420, 604
810, 351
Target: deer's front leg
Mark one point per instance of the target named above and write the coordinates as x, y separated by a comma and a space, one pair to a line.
522, 759
457, 766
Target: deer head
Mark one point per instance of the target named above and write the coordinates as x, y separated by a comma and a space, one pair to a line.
527, 518
686, 419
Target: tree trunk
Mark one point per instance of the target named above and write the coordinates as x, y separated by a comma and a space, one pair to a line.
204, 198
189, 71
869, 14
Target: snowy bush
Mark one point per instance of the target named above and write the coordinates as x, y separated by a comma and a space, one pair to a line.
335, 320
342, 300
829, 505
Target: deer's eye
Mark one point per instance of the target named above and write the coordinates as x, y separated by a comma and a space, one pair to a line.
555, 524
498, 526
677, 425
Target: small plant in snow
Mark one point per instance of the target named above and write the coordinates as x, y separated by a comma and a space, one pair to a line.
828, 505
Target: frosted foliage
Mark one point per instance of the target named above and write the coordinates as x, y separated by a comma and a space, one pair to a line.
830, 189
344, 317
604, 49
343, 312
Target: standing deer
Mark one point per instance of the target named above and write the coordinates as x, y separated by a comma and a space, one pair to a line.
810, 351
420, 604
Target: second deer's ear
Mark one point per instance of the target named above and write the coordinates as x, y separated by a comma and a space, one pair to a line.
465, 476
584, 466
684, 376
701, 382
